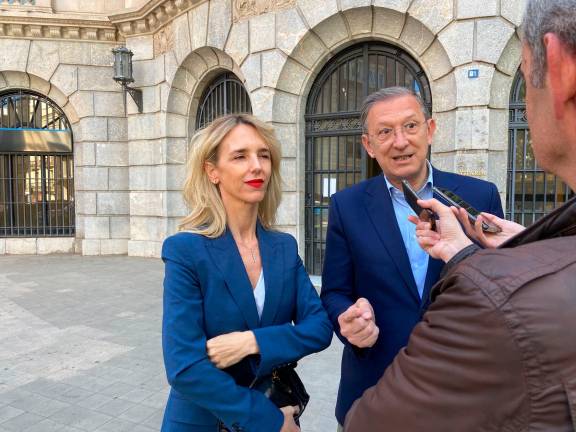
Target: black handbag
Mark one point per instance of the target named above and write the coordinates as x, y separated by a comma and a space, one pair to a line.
283, 387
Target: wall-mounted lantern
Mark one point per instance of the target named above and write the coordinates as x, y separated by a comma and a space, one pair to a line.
123, 74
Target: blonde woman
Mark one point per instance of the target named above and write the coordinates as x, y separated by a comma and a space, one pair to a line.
237, 300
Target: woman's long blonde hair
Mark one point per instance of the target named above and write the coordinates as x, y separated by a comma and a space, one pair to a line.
207, 214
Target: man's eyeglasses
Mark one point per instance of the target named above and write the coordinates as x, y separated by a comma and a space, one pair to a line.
387, 134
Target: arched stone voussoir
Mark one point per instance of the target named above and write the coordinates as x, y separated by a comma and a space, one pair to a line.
397, 5
293, 77
360, 20
500, 90
436, 61
333, 30
209, 56
285, 107
39, 84
16, 79
458, 40
416, 36
310, 51
444, 93
23, 80
316, 11
492, 37
511, 56
433, 14
184, 81
388, 23
197, 68
513, 11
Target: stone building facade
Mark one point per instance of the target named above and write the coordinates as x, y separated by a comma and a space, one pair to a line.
129, 166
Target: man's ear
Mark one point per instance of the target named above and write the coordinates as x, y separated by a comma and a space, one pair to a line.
560, 74
367, 146
431, 130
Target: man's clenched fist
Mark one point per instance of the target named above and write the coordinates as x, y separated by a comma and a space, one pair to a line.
357, 324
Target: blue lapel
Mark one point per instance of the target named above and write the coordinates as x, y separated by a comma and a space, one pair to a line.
381, 212
442, 180
272, 255
227, 259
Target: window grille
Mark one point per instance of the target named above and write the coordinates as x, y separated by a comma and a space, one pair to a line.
531, 192
225, 95
36, 167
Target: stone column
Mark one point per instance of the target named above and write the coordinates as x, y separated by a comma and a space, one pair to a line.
101, 153
147, 153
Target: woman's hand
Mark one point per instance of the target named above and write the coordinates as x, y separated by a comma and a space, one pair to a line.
228, 349
488, 240
289, 423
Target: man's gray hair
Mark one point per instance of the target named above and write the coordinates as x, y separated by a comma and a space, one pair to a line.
547, 16
385, 94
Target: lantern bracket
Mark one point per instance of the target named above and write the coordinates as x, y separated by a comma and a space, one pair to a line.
136, 95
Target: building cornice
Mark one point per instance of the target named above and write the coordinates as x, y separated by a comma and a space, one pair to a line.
151, 17
57, 27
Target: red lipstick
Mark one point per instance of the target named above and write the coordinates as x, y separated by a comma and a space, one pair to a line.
256, 183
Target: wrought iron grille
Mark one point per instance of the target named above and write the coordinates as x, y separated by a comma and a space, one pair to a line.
36, 167
334, 156
225, 95
531, 192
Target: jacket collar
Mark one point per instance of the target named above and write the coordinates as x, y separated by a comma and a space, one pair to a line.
228, 261
381, 212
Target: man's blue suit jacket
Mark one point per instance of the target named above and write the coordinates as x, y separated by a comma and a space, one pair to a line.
366, 257
207, 293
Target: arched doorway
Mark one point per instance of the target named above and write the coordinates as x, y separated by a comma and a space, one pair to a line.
36, 167
334, 155
531, 192
225, 95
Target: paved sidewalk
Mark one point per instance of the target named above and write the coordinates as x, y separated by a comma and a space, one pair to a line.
80, 348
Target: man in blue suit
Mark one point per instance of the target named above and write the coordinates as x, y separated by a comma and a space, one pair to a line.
376, 279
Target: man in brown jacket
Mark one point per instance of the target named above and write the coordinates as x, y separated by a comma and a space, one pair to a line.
496, 351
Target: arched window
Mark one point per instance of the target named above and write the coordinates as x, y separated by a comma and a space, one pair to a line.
334, 155
36, 167
531, 193
225, 95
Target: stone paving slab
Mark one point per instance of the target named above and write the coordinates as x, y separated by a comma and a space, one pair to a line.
80, 348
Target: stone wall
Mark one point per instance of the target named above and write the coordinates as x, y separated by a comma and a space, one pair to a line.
279, 53
130, 167
78, 77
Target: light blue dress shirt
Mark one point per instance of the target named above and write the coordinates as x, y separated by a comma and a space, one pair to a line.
418, 258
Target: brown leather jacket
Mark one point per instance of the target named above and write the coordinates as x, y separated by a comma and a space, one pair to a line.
496, 351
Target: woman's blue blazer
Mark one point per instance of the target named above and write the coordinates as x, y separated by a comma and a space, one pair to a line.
207, 293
